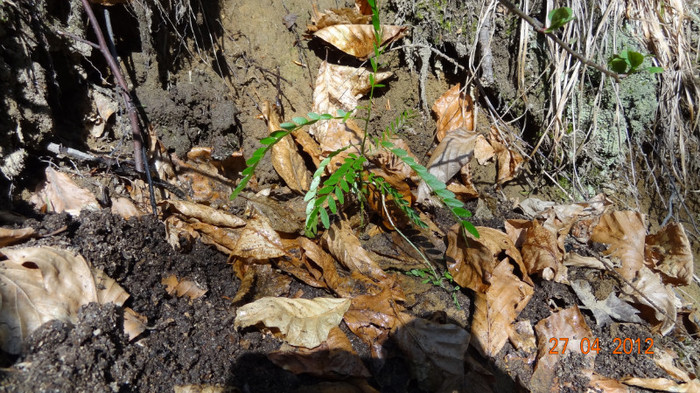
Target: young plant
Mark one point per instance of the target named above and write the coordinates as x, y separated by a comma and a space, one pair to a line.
629, 61
352, 177
429, 276
559, 17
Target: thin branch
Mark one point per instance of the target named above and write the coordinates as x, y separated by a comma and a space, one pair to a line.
539, 28
131, 109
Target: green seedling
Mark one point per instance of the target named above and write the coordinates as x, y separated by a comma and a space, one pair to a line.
558, 18
629, 62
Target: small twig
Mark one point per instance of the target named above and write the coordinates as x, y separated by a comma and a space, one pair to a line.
131, 108
539, 28
79, 39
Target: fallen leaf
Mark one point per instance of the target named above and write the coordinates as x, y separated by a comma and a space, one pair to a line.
341, 242
664, 384
125, 208
453, 152
58, 193
664, 358
454, 109
332, 17
182, 287
205, 179
204, 213
650, 291
134, 323
522, 336
606, 310
601, 384
258, 240
625, 233
509, 160
580, 261
373, 317
381, 203
14, 236
40, 284
358, 40
288, 216
541, 253
435, 352
472, 264
567, 327
285, 157
669, 252
496, 309
483, 151
203, 389
301, 322
334, 358
105, 108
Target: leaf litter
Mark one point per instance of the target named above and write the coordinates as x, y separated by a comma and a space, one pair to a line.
502, 270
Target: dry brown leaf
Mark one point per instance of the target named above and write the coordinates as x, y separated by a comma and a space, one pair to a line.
604, 310
39, 284
125, 208
134, 323
483, 151
541, 253
182, 287
497, 308
286, 216
339, 87
664, 358
625, 233
58, 193
373, 317
334, 358
669, 252
522, 336
204, 213
472, 264
363, 7
393, 164
664, 384
296, 264
285, 157
601, 384
258, 240
206, 179
224, 239
435, 352
14, 236
509, 160
658, 296
380, 203
454, 109
570, 325
204, 389
341, 242
453, 152
332, 17
580, 261
358, 40
105, 107
301, 322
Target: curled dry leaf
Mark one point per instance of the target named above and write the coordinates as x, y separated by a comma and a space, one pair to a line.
483, 151
472, 264
509, 160
373, 317
656, 295
40, 284
258, 240
58, 193
285, 157
664, 384
105, 107
624, 232
204, 213
182, 288
669, 252
358, 40
580, 261
453, 152
339, 87
570, 324
496, 309
134, 323
332, 17
334, 358
301, 322
603, 384
541, 253
522, 336
435, 352
125, 208
454, 109
341, 242
606, 310
208, 180
14, 236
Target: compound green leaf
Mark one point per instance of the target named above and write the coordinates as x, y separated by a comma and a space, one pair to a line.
339, 195
300, 121
331, 205
325, 220
288, 126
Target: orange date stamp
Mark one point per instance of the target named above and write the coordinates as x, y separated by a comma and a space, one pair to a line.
623, 346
